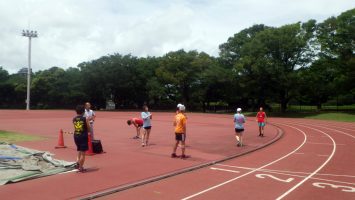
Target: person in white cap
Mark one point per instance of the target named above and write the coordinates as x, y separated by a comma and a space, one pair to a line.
180, 131
239, 121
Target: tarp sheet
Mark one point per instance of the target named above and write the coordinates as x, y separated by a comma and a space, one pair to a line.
19, 163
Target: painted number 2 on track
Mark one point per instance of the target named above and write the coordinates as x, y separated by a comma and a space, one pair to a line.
316, 184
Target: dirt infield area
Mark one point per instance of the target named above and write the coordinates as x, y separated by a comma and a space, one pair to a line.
210, 138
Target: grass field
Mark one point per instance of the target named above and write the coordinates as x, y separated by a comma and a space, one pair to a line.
335, 116
11, 137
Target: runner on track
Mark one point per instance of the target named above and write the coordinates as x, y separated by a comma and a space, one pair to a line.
180, 131
261, 119
239, 120
147, 126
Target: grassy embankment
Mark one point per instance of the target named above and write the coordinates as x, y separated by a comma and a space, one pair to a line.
11, 137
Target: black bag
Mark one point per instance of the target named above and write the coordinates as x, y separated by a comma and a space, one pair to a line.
97, 146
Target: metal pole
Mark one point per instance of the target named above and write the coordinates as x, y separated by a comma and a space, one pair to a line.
29, 75
30, 35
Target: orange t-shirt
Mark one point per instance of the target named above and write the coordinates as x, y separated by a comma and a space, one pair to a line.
180, 121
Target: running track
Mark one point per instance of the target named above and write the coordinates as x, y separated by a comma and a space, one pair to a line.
313, 160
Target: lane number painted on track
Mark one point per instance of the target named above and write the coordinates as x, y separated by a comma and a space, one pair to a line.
344, 188
275, 178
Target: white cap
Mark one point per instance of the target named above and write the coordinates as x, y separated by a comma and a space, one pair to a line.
182, 107
239, 110
178, 106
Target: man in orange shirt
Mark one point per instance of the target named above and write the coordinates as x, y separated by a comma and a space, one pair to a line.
180, 131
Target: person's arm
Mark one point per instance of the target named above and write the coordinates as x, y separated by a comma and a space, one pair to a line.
93, 115
184, 125
134, 124
145, 116
88, 125
265, 118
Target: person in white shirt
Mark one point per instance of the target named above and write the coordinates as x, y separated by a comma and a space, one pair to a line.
147, 126
239, 120
90, 114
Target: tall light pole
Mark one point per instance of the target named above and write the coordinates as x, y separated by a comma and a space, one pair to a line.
30, 35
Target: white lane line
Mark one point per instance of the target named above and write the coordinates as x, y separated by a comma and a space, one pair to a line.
327, 126
303, 176
226, 170
313, 178
341, 132
285, 171
316, 171
298, 153
238, 177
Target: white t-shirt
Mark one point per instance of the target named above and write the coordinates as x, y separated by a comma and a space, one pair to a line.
89, 114
146, 119
239, 120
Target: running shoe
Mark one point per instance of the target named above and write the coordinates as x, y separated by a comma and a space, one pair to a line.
173, 155
81, 170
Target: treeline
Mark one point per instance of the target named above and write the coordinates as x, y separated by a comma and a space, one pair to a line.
308, 63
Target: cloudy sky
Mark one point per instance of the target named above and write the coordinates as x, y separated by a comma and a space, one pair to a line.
74, 31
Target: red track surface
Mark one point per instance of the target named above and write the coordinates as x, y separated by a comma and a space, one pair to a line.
311, 155
313, 160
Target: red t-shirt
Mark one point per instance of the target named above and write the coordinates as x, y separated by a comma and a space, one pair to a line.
138, 121
261, 116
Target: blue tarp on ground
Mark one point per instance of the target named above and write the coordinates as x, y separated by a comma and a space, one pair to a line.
19, 163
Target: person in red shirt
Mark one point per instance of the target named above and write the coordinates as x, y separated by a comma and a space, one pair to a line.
261, 119
138, 123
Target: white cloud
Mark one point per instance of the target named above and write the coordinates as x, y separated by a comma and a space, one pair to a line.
71, 32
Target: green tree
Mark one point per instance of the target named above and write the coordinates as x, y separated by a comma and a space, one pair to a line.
180, 73
336, 37
267, 62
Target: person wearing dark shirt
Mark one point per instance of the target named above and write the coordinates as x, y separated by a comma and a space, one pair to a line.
81, 134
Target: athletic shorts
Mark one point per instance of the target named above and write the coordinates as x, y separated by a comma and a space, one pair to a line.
81, 144
237, 130
261, 124
180, 137
147, 127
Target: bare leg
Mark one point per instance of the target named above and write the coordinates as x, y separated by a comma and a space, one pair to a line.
82, 159
237, 137
78, 157
143, 137
147, 137
138, 131
183, 147
175, 146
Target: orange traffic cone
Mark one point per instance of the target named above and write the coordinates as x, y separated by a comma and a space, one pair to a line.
60, 140
90, 151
